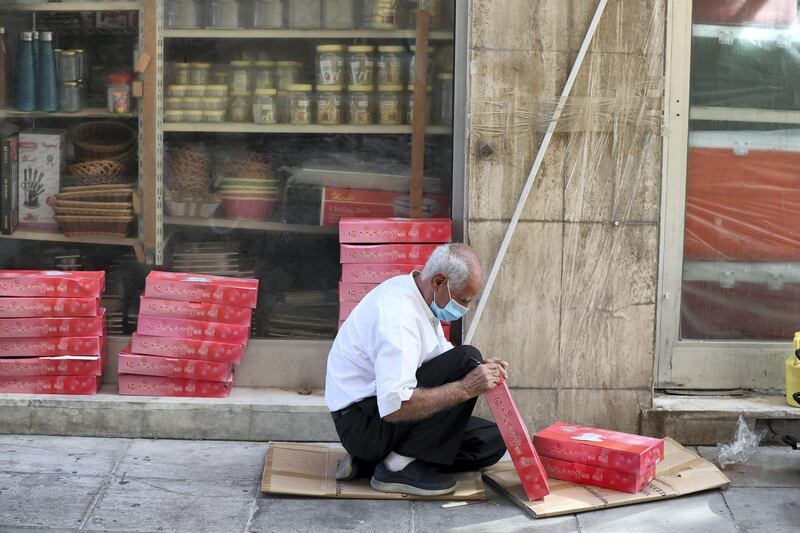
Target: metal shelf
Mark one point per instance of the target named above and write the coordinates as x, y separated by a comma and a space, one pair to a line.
89, 112
73, 6
301, 34
28, 235
247, 127
735, 114
252, 225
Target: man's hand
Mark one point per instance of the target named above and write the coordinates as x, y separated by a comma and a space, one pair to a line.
484, 377
502, 364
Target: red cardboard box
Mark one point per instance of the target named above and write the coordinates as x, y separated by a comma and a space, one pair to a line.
597, 476
781, 13
340, 203
153, 365
345, 308
132, 385
515, 435
35, 347
614, 450
50, 384
395, 230
386, 254
69, 365
221, 352
239, 292
159, 326
48, 307
52, 327
226, 314
375, 273
52, 284
354, 292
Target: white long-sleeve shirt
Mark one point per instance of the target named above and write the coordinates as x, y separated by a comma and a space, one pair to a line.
387, 337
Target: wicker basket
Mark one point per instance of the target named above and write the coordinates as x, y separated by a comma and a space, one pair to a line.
187, 169
93, 212
101, 187
117, 206
98, 169
251, 165
116, 226
192, 203
88, 181
110, 195
103, 140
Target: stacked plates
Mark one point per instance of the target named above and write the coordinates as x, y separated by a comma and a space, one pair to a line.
249, 198
212, 258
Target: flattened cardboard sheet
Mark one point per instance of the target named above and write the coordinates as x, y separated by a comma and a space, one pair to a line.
296, 469
682, 472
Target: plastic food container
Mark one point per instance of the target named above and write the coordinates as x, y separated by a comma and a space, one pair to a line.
199, 73
381, 14
241, 72
69, 67
268, 14
173, 103
412, 64
240, 106
339, 14
305, 14
193, 103
197, 91
119, 92
329, 105
359, 105
183, 14
224, 14
390, 99
174, 116
330, 64
177, 90
410, 105
216, 91
182, 73
264, 75
265, 106
300, 104
361, 65
193, 116
215, 103
287, 73
390, 65
70, 97
214, 116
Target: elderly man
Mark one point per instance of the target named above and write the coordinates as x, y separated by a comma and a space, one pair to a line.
401, 396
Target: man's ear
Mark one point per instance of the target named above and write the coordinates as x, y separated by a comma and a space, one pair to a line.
438, 280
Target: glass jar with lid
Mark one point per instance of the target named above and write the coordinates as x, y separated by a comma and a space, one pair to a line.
182, 73
224, 14
193, 116
300, 107
381, 14
330, 64
361, 65
268, 14
70, 97
305, 14
329, 105
435, 7
390, 100
216, 90
265, 106
412, 64
444, 99
410, 105
241, 72
339, 14
390, 65
360, 105
264, 74
287, 73
214, 115
193, 103
199, 73
174, 115
183, 14
240, 110
220, 77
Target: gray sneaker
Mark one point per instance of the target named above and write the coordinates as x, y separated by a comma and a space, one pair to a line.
347, 469
417, 478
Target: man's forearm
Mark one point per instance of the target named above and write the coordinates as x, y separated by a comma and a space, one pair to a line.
427, 402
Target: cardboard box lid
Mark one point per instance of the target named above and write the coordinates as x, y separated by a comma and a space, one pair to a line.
682, 472
309, 470
600, 438
218, 281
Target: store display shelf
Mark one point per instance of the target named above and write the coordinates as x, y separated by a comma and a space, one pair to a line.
729, 273
28, 235
89, 112
73, 6
736, 114
253, 225
731, 34
300, 34
246, 127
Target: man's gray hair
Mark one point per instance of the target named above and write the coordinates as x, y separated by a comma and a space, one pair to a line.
454, 261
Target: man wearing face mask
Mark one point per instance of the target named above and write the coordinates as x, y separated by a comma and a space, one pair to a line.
401, 396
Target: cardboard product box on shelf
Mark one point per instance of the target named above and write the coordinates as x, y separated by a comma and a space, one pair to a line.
9, 185
53, 327
169, 367
597, 476
613, 450
386, 254
135, 385
352, 273
48, 307
69, 365
73, 385
512, 428
354, 292
52, 283
239, 292
221, 352
226, 314
395, 230
781, 13
52, 346
158, 326
42, 162
345, 308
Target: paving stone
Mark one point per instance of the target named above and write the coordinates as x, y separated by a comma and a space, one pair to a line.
194, 460
764, 509
497, 515
45, 500
771, 466
172, 506
699, 513
287, 515
60, 455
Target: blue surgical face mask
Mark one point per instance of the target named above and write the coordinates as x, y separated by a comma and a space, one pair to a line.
451, 312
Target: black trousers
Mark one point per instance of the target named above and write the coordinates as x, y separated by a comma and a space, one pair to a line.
453, 440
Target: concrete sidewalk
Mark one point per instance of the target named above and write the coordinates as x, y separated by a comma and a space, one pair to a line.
73, 483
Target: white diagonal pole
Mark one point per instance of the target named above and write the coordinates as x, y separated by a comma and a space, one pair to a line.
537, 164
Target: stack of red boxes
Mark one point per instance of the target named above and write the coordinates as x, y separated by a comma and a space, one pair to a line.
52, 336
192, 329
599, 457
373, 250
